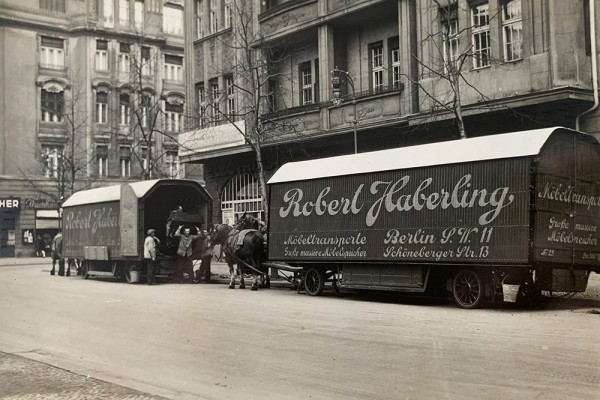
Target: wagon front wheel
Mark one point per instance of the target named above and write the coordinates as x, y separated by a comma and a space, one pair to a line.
467, 289
314, 282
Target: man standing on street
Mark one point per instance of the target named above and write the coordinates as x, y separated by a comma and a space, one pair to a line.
150, 255
184, 253
206, 255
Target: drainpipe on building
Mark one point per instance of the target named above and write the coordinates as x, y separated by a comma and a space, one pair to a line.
594, 63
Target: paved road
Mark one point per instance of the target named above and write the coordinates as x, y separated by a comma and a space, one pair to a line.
207, 342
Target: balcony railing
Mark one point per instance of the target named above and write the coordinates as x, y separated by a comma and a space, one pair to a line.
281, 7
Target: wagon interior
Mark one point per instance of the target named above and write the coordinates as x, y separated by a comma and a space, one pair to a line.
164, 199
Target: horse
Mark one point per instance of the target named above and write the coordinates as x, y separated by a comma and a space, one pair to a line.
247, 221
241, 247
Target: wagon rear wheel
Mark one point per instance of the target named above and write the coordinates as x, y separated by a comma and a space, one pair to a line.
467, 289
314, 282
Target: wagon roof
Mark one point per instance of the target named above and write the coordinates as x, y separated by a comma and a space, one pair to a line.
111, 193
507, 145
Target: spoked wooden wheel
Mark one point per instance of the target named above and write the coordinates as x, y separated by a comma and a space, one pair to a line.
314, 282
467, 289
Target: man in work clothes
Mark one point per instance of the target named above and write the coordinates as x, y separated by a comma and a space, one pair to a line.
206, 255
184, 253
150, 255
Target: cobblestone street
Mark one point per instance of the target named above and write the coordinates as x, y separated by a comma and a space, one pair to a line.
24, 379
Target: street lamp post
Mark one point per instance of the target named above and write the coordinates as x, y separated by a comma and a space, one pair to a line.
337, 96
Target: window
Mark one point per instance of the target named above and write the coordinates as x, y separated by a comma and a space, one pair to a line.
53, 5
173, 68
230, 88
199, 20
272, 89
199, 28
512, 28
108, 13
124, 63
172, 161
376, 57
124, 12
145, 163
125, 161
214, 99
139, 14
146, 61
101, 55
102, 160
228, 17
50, 158
450, 36
214, 23
395, 68
173, 20
480, 21
146, 102
52, 53
124, 109
201, 93
306, 80
52, 106
173, 117
101, 108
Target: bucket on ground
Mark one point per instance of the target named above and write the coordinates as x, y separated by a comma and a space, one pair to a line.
509, 291
135, 276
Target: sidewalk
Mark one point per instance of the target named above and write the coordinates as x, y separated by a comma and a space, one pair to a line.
25, 379
219, 270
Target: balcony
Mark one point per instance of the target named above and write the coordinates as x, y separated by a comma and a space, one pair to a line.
288, 15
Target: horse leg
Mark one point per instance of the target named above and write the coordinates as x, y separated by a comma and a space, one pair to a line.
241, 275
231, 275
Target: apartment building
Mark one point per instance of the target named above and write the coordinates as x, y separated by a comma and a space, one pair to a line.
373, 74
92, 94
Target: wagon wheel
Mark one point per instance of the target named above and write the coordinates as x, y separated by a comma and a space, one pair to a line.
467, 289
85, 269
131, 266
314, 282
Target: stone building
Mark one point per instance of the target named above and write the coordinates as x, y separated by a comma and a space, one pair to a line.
401, 70
84, 84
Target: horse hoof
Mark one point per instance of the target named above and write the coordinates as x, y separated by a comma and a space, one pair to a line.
51, 272
253, 288
231, 287
242, 287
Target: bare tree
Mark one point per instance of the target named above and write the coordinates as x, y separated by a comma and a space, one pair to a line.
250, 70
64, 161
445, 55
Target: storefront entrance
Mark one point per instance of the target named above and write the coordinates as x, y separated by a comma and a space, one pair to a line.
241, 195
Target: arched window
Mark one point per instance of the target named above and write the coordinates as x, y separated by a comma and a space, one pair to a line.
241, 195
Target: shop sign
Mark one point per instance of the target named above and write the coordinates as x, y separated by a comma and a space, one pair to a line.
39, 204
11, 203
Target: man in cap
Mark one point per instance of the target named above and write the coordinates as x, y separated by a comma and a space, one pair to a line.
150, 255
184, 253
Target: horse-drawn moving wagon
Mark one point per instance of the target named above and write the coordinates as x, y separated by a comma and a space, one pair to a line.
105, 227
479, 217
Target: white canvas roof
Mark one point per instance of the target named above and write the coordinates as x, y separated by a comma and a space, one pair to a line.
108, 193
507, 145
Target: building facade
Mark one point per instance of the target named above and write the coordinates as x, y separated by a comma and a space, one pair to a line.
335, 75
92, 94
